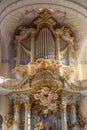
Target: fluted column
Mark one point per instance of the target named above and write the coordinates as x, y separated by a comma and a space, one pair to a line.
18, 53
73, 116
27, 116
57, 46
63, 116
16, 116
33, 46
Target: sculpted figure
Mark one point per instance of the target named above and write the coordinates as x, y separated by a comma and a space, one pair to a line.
24, 33
65, 34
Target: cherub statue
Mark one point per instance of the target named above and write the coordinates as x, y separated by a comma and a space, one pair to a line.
23, 33
65, 33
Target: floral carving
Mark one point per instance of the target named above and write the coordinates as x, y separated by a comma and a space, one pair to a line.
47, 98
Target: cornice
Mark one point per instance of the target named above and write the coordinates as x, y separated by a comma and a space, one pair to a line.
54, 3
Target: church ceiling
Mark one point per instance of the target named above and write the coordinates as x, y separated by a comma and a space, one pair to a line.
65, 12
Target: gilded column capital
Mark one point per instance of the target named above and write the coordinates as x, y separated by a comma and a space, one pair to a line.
33, 34
72, 106
16, 106
19, 42
56, 36
27, 106
69, 44
63, 106
16, 123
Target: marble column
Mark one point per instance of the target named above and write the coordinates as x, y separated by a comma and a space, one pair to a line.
63, 116
18, 53
16, 116
27, 116
33, 47
73, 116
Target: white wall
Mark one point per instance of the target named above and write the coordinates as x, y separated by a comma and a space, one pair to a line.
82, 66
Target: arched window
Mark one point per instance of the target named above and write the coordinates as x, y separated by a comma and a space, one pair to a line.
83, 56
82, 60
1, 120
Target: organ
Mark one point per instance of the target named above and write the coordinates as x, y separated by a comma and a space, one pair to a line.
44, 62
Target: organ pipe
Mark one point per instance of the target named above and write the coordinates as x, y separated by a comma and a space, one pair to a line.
45, 45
